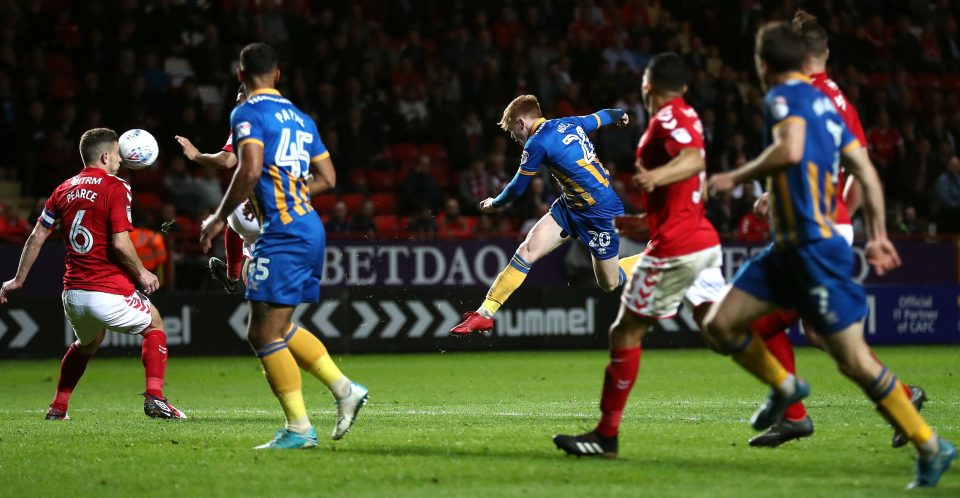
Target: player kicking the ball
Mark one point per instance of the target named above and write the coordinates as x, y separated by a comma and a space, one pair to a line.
98, 291
277, 146
809, 266
237, 244
584, 211
682, 260
796, 423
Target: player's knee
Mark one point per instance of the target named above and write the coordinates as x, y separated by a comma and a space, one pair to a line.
607, 286
156, 321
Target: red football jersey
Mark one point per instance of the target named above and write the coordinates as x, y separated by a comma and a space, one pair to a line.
852, 119
92, 206
675, 213
229, 145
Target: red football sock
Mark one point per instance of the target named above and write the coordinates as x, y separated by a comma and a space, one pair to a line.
233, 247
780, 348
71, 369
774, 323
906, 389
154, 357
617, 383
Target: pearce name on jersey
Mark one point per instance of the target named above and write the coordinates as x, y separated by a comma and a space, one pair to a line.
675, 212
92, 206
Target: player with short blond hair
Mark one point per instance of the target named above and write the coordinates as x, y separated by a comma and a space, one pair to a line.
585, 210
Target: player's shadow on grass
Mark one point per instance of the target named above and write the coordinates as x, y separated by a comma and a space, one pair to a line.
413, 450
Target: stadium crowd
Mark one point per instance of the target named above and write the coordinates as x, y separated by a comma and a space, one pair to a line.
408, 94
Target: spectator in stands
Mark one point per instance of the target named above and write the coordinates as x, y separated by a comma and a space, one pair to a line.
422, 225
915, 175
338, 222
362, 222
719, 210
451, 224
540, 210
475, 185
486, 228
13, 225
947, 197
209, 190
181, 186
420, 189
885, 144
753, 228
907, 222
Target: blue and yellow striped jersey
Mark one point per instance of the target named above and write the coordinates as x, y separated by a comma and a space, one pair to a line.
803, 197
290, 143
563, 147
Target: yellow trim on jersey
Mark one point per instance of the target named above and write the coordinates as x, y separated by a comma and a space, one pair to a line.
245, 140
855, 144
269, 91
813, 181
576, 188
305, 196
297, 202
525, 172
787, 120
536, 125
320, 156
789, 218
593, 171
830, 199
599, 123
280, 195
796, 75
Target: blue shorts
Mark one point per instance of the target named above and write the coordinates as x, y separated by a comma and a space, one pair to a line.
814, 279
286, 269
593, 226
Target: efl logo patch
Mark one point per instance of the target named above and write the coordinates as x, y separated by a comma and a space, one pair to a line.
524, 157
243, 129
779, 108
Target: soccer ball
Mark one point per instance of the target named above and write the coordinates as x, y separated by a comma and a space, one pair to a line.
138, 149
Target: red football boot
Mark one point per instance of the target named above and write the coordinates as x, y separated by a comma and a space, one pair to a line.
473, 322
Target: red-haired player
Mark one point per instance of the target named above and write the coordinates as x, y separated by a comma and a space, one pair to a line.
796, 422
235, 244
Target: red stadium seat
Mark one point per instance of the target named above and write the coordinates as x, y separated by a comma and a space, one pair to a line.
148, 201
435, 151
440, 172
358, 176
388, 225
384, 203
353, 202
404, 152
323, 204
382, 180
927, 81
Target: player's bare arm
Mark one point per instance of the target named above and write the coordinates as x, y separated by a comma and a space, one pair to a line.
29, 255
687, 163
880, 252
244, 179
852, 195
324, 176
789, 138
129, 260
218, 160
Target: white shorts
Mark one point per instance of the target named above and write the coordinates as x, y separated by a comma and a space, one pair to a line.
659, 285
246, 226
90, 312
845, 231
248, 249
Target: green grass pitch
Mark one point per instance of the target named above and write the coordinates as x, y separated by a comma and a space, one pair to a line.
461, 425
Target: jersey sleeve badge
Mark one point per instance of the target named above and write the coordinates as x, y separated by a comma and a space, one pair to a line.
779, 107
